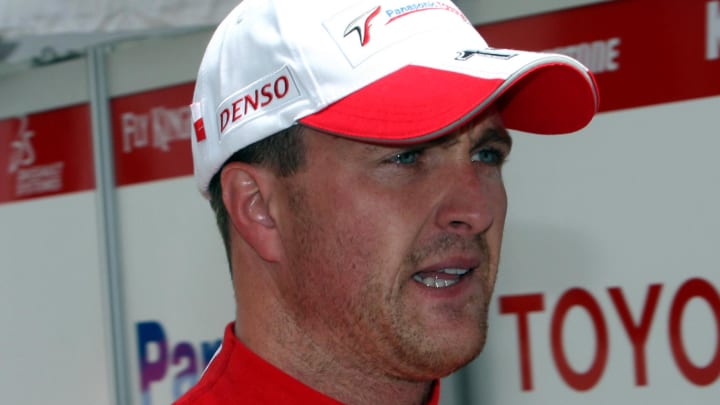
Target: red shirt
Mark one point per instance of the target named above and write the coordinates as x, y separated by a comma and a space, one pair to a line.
236, 375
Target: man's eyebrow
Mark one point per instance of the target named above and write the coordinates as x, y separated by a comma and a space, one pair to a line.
497, 134
494, 134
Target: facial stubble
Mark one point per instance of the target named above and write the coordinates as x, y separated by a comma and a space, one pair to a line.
375, 329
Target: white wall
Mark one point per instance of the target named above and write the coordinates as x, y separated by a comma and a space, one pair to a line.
628, 203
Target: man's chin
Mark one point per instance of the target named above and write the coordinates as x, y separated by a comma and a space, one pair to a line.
446, 357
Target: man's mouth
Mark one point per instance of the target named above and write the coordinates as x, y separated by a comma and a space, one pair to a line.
442, 278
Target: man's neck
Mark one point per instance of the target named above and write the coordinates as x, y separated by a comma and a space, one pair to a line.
316, 366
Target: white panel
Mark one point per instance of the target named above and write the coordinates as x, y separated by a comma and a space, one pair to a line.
52, 344
176, 277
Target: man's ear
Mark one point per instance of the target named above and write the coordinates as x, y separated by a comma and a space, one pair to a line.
246, 192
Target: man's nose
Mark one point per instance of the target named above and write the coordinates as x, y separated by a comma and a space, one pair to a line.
472, 199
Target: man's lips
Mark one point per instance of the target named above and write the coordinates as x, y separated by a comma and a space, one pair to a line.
441, 278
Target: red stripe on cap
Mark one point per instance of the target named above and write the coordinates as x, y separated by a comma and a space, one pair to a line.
199, 130
405, 105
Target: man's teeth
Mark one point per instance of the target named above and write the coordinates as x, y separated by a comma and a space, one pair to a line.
455, 272
434, 281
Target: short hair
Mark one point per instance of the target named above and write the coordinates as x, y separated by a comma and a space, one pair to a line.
282, 152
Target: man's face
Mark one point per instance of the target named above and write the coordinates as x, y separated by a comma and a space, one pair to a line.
391, 253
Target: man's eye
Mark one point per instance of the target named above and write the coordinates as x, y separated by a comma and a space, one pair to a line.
489, 156
406, 158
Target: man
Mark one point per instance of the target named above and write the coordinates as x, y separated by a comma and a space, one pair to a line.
352, 151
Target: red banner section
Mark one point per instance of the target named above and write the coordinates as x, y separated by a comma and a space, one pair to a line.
46, 153
151, 132
643, 52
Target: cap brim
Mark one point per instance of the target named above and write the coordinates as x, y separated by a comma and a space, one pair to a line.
418, 103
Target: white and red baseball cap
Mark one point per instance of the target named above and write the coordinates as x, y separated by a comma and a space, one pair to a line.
383, 71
